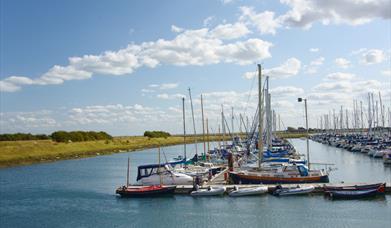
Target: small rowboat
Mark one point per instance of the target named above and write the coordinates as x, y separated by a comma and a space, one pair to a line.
248, 191
210, 191
145, 191
298, 190
328, 188
356, 193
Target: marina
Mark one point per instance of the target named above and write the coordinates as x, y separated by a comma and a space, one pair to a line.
73, 191
211, 113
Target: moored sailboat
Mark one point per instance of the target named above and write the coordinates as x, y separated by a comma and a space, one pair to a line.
143, 191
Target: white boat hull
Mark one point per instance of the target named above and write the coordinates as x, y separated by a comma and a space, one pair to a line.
214, 191
249, 191
296, 191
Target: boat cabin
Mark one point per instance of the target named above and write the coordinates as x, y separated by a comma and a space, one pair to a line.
152, 169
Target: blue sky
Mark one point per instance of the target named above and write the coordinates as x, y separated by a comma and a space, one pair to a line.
123, 66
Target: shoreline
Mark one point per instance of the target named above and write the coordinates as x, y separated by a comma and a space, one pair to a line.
22, 153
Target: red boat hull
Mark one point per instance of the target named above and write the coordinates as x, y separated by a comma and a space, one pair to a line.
147, 191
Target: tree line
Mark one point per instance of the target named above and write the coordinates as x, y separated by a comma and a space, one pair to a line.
156, 134
22, 136
59, 136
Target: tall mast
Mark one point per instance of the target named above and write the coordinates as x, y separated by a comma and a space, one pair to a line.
127, 173
268, 115
184, 127
160, 176
279, 122
369, 114
223, 124
260, 142
219, 134
381, 110
341, 119
207, 133
203, 125
194, 128
232, 121
362, 117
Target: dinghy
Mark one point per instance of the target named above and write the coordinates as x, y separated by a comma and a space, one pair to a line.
356, 192
297, 190
210, 191
248, 191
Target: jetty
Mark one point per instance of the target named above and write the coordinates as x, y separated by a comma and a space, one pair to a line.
319, 188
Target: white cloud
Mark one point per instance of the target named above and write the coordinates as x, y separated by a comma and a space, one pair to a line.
312, 68
264, 22
163, 86
386, 72
190, 47
147, 90
314, 49
59, 74
304, 13
226, 1
286, 91
372, 56
19, 80
176, 29
207, 21
170, 96
169, 85
317, 62
230, 31
289, 68
342, 62
8, 87
250, 75
339, 76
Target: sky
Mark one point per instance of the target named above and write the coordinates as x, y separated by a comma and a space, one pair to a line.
124, 66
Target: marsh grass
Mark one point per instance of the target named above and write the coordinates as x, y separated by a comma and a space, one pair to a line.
14, 153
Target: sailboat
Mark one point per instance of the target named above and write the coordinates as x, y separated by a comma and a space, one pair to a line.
143, 191
285, 173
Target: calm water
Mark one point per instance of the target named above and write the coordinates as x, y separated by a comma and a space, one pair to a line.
80, 193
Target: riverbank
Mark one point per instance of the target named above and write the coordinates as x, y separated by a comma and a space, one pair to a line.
15, 153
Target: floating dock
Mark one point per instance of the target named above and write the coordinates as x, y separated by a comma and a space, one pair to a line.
319, 187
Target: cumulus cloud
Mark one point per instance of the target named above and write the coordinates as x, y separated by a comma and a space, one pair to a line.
343, 89
312, 68
27, 121
342, 62
286, 91
289, 68
190, 47
250, 75
207, 21
314, 49
304, 13
176, 28
339, 76
386, 72
8, 87
372, 56
230, 31
226, 1
163, 86
265, 21
166, 96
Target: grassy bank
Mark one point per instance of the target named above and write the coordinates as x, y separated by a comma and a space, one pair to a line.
14, 153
